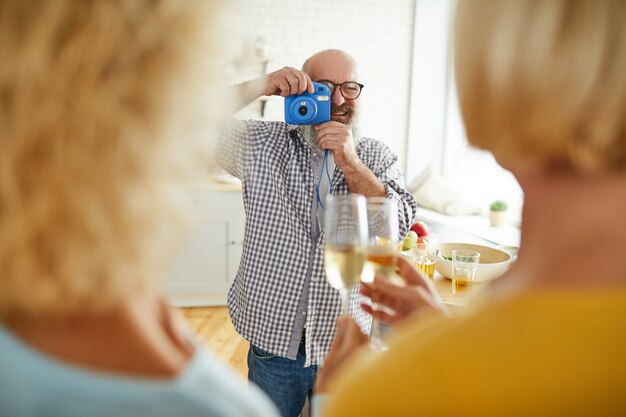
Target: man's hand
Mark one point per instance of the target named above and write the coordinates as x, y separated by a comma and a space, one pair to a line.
348, 339
287, 81
416, 295
337, 137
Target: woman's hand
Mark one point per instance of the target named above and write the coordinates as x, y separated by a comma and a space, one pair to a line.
416, 294
348, 339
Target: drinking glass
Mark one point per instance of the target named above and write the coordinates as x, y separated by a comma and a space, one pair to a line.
346, 241
425, 259
382, 250
464, 266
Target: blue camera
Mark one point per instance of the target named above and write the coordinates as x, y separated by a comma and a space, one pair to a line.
308, 109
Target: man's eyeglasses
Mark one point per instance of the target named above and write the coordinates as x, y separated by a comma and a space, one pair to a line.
350, 89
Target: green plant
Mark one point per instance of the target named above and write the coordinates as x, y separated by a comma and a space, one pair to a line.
498, 205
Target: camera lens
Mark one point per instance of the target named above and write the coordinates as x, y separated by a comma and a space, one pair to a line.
303, 110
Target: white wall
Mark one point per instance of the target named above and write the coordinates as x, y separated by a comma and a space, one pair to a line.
379, 33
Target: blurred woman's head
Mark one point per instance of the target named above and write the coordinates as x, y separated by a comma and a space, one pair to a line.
91, 94
541, 83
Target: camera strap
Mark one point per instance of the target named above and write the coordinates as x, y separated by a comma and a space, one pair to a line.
324, 174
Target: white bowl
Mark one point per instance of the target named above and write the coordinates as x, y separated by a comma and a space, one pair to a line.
491, 264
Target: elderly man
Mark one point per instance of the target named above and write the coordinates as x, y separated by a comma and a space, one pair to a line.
280, 300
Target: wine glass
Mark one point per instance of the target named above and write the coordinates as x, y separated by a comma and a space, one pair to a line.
382, 250
346, 240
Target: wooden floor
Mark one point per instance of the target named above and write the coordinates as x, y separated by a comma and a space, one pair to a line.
213, 327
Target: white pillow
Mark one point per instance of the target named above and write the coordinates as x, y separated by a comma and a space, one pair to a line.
433, 192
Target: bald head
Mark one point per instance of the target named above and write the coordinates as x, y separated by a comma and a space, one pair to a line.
333, 65
337, 67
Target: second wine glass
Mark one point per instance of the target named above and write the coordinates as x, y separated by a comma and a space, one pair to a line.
382, 250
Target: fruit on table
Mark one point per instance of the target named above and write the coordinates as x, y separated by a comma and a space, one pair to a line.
420, 228
409, 241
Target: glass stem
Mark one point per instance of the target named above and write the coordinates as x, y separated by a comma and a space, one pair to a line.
376, 335
345, 302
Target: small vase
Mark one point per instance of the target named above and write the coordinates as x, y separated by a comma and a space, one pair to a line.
497, 218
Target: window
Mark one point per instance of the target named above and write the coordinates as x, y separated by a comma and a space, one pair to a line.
475, 171
436, 133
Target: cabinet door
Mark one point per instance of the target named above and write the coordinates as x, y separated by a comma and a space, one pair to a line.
207, 262
201, 265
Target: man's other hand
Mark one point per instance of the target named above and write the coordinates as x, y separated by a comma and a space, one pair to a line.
337, 137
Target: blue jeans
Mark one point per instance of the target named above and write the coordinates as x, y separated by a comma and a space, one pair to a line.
287, 382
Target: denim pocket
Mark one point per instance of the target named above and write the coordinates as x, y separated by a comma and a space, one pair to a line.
260, 353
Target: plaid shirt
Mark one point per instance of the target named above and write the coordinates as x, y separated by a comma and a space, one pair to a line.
280, 259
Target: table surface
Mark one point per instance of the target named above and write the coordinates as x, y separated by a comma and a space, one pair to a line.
444, 287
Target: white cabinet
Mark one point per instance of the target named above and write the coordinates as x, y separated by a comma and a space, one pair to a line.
207, 262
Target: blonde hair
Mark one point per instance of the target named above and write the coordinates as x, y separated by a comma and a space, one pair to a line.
89, 144
541, 83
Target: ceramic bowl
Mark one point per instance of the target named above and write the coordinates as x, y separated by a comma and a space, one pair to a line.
492, 263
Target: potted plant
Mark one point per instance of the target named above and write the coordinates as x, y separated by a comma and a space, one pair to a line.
497, 211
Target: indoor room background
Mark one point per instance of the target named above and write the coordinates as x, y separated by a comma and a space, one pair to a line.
404, 50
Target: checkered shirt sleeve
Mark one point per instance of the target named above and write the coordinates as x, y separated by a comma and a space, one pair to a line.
273, 162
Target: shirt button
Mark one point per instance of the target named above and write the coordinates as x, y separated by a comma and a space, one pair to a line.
304, 313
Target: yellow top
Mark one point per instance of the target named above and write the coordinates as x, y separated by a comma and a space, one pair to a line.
541, 354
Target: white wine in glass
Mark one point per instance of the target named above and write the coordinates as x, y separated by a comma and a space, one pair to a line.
346, 241
344, 265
